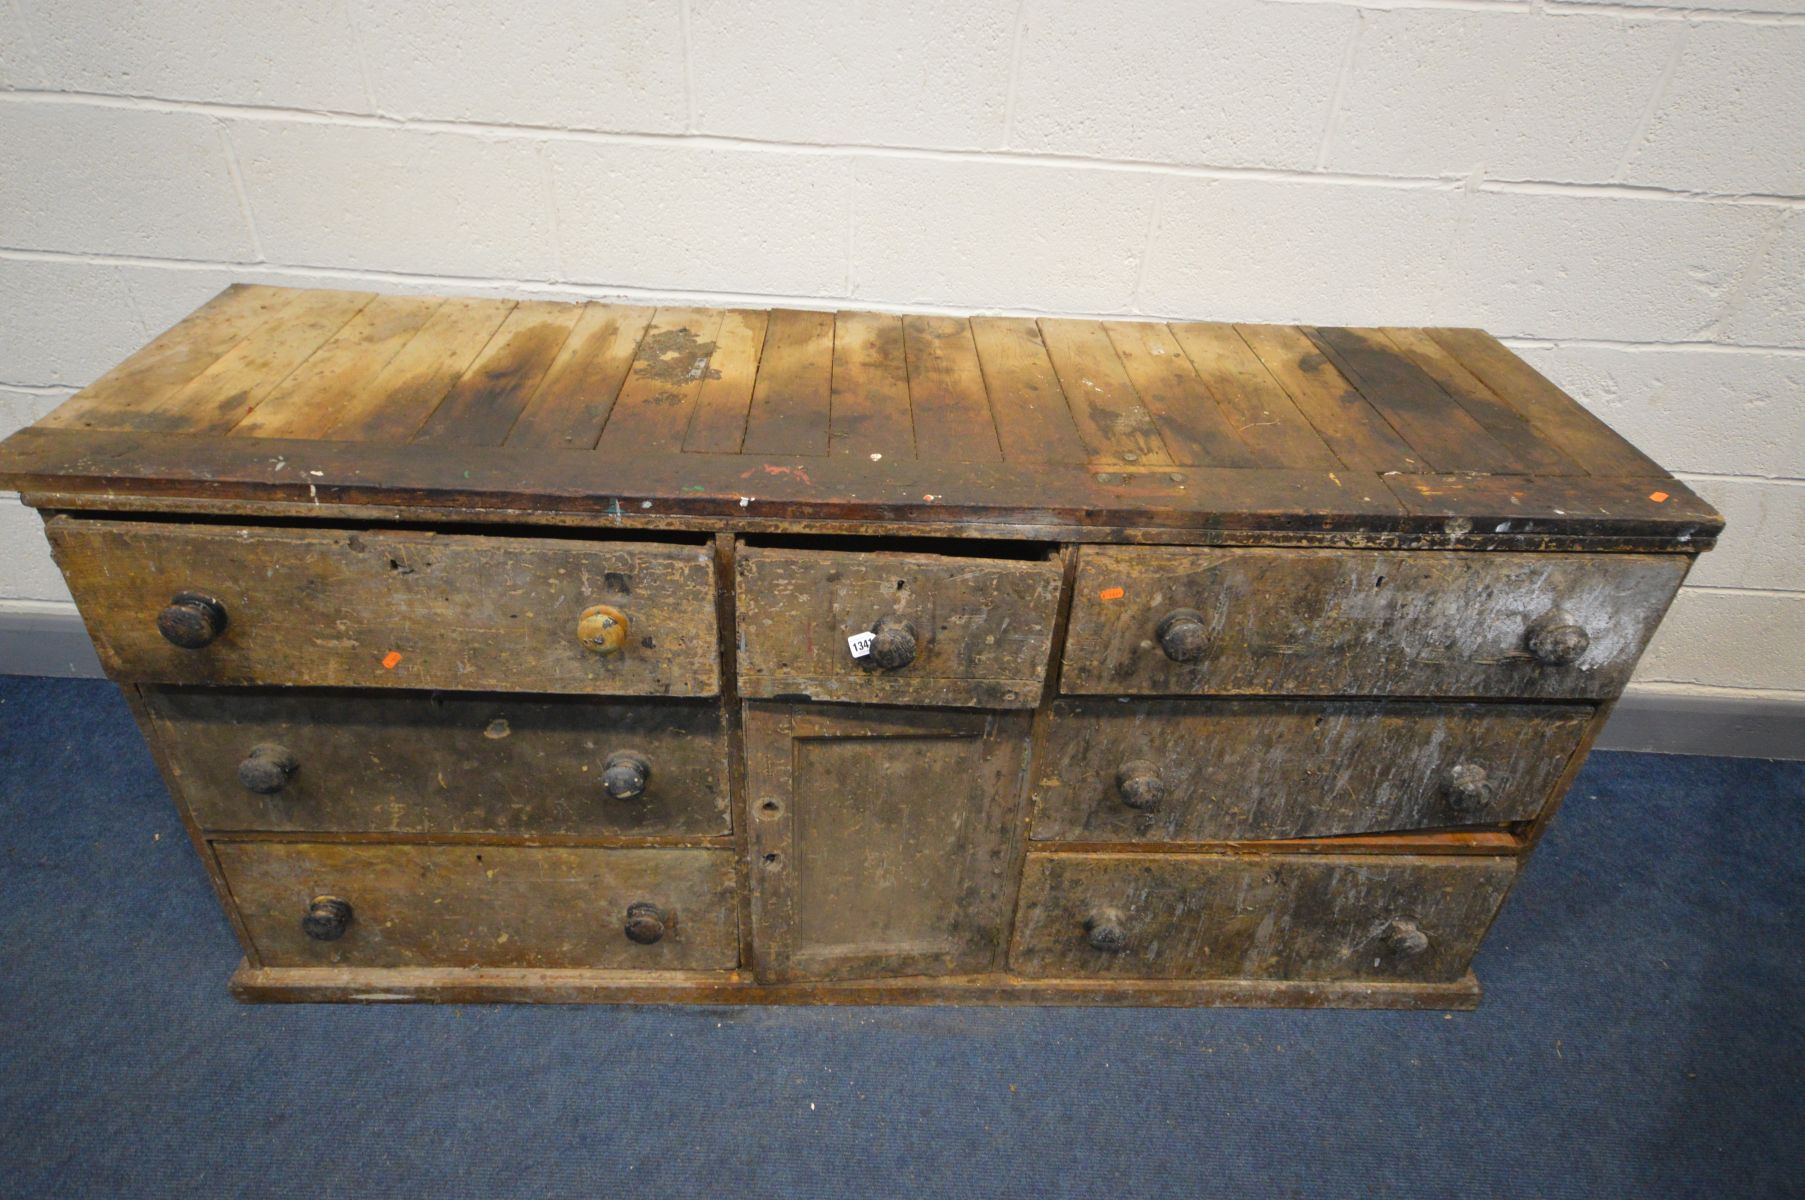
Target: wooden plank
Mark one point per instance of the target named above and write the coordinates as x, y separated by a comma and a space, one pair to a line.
1257, 407
1033, 421
577, 394
617, 486
870, 410
1109, 771
1444, 434
793, 399
1115, 425
393, 406
172, 359
313, 398
465, 985
313, 607
399, 763
651, 415
1359, 622
497, 906
1255, 917
1353, 429
219, 397
718, 425
481, 408
877, 838
1560, 419
980, 630
1502, 421
1528, 504
1191, 425
946, 391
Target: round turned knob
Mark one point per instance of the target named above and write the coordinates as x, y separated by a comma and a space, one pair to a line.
625, 775
1403, 937
327, 919
1469, 786
1106, 929
893, 645
1140, 786
192, 620
1182, 635
645, 922
267, 769
602, 628
1557, 642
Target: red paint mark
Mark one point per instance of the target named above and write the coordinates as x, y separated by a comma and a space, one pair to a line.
391, 660
798, 472
1657, 497
1114, 593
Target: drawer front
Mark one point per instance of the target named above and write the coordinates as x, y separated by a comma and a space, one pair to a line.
1205, 916
334, 608
956, 631
1210, 770
1152, 620
401, 763
486, 906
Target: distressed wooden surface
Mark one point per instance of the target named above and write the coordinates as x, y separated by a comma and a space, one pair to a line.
1274, 917
445, 985
485, 906
1247, 770
1348, 622
983, 626
585, 405
881, 839
393, 609
445, 763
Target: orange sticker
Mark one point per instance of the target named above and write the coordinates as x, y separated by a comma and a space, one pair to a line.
1111, 594
391, 660
1657, 497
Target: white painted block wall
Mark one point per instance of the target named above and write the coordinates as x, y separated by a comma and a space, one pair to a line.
1614, 188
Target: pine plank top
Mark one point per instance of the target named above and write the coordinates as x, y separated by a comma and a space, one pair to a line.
272, 395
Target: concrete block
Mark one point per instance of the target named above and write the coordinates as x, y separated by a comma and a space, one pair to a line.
26, 569
1753, 640
67, 322
1768, 308
1763, 545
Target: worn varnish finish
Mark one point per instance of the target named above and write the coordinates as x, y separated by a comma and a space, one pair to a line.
974, 631
1229, 770
393, 609
1199, 916
1351, 622
485, 906
498, 650
445, 763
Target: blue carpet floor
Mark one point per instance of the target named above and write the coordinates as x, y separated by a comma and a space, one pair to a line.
1643, 1034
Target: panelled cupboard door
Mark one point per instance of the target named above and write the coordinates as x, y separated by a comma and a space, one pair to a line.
1151, 620
228, 604
882, 840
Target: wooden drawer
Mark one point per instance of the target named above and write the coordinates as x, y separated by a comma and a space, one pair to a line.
336, 608
1228, 770
1206, 916
487, 906
399, 763
1153, 620
956, 630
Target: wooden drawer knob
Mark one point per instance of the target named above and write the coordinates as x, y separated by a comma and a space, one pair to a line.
327, 919
893, 643
603, 629
192, 620
1106, 929
1403, 937
645, 922
1557, 642
267, 769
1469, 787
1182, 635
1140, 786
625, 775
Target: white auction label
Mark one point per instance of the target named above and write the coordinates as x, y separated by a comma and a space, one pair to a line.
860, 644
